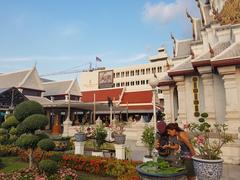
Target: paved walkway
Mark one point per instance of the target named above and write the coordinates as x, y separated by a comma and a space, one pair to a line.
230, 172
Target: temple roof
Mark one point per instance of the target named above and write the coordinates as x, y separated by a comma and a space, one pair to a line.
183, 48
21, 79
62, 88
230, 13
217, 49
232, 52
41, 100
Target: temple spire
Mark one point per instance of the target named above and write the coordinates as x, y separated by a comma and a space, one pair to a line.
191, 19
174, 47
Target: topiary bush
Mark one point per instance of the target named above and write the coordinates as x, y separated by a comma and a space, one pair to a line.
27, 141
46, 144
13, 131
34, 122
27, 108
48, 166
11, 121
3, 131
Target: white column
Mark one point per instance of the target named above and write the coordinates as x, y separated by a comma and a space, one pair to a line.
120, 151
79, 147
231, 94
166, 91
182, 111
208, 88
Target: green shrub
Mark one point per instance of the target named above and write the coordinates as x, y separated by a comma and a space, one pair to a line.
46, 144
13, 131
101, 134
11, 121
26, 109
56, 157
27, 141
148, 138
12, 139
48, 166
3, 131
3, 139
42, 136
34, 122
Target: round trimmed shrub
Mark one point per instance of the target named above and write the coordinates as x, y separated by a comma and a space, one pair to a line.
27, 141
42, 136
21, 129
3, 131
27, 108
46, 144
11, 121
13, 131
12, 139
35, 122
3, 139
48, 166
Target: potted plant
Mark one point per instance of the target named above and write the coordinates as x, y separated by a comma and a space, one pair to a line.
100, 135
117, 132
148, 140
80, 134
208, 142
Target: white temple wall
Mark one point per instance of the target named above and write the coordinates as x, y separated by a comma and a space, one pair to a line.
238, 85
220, 101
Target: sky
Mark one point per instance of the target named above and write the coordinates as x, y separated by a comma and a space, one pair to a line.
66, 35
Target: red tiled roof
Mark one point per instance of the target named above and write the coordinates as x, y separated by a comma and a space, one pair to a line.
101, 95
137, 97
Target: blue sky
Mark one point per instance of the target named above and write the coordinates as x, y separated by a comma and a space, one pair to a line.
63, 35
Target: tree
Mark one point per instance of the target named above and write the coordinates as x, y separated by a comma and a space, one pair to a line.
31, 118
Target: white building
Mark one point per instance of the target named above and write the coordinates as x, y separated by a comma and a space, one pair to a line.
208, 78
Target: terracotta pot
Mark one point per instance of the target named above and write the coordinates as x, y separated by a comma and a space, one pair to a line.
208, 169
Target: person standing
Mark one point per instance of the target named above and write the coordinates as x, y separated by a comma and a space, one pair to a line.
183, 144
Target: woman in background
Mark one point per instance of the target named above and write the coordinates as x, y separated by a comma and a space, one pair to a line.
182, 141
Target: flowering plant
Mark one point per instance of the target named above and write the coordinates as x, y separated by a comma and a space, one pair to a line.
207, 140
117, 128
80, 129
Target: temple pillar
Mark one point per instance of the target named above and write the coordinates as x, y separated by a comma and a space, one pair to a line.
208, 88
168, 103
231, 94
49, 117
182, 110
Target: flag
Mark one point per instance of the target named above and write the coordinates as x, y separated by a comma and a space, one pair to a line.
98, 59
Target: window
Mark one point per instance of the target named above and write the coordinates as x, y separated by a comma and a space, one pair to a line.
122, 83
132, 73
127, 83
146, 81
132, 83
117, 75
142, 82
137, 72
159, 69
159, 91
148, 71
142, 71
153, 70
122, 74
137, 82
114, 75
127, 73
118, 85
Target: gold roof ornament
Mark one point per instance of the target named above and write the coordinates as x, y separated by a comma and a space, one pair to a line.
230, 13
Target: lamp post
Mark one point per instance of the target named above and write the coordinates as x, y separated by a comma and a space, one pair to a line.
153, 83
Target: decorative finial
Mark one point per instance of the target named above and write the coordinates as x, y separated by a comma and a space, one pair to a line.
173, 38
211, 51
189, 16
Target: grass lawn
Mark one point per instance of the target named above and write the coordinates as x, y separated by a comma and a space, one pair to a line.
14, 163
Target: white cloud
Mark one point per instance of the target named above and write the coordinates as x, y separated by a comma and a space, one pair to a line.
164, 12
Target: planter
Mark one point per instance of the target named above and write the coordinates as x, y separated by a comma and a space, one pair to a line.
147, 158
97, 153
80, 137
208, 169
158, 176
120, 138
60, 145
